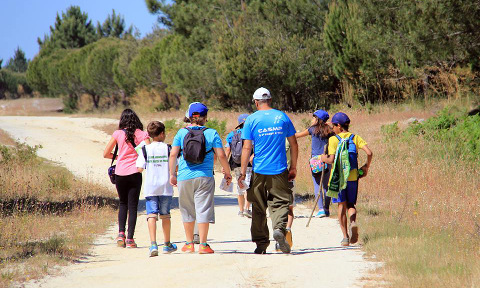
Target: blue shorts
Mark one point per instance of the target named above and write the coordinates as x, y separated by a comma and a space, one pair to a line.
349, 194
158, 205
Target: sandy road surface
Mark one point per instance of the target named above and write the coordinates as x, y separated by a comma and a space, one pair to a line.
317, 260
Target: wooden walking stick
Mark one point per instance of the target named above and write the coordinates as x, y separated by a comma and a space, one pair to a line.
320, 193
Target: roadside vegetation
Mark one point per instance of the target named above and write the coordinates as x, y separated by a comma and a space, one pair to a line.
47, 217
420, 205
310, 54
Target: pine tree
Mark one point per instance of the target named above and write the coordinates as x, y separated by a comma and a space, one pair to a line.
18, 63
71, 30
114, 26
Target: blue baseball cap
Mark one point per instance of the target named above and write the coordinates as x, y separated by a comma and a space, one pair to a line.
197, 108
186, 112
321, 114
242, 118
340, 118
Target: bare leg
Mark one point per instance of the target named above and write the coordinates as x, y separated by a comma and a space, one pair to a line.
290, 217
352, 212
247, 204
152, 229
203, 229
166, 226
241, 203
189, 230
342, 218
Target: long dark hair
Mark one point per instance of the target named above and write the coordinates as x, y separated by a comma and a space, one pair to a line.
130, 122
321, 129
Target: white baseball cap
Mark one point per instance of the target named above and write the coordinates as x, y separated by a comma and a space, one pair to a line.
262, 94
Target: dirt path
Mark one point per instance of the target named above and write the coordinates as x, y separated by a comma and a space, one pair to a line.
316, 259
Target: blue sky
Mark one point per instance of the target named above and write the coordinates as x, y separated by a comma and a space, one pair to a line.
22, 21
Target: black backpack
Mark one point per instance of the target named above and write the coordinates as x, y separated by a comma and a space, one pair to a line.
194, 146
236, 147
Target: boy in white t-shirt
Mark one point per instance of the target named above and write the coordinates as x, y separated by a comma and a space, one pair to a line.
157, 189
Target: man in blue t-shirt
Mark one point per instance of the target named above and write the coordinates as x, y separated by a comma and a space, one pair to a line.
196, 184
268, 128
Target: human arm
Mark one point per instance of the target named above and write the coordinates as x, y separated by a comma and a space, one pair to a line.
328, 158
107, 153
292, 172
227, 153
369, 160
225, 166
140, 169
302, 134
172, 165
246, 151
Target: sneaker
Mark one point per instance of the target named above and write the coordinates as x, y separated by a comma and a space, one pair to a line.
169, 248
153, 250
247, 213
353, 233
188, 248
121, 239
204, 248
288, 237
277, 247
240, 213
282, 242
130, 243
196, 239
321, 214
345, 242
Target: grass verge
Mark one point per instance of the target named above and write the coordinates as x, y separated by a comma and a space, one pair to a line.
47, 217
420, 211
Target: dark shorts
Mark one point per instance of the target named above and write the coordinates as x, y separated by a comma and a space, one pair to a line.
349, 194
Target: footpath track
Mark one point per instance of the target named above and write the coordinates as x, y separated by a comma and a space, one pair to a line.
317, 259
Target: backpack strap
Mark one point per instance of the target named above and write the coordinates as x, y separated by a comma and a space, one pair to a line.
144, 150
351, 137
338, 137
114, 154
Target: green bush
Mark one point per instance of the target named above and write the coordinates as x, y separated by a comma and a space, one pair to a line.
220, 126
171, 125
448, 135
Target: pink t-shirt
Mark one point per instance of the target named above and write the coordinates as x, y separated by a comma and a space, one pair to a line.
127, 156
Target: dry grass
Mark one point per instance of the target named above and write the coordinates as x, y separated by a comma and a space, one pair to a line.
5, 139
47, 217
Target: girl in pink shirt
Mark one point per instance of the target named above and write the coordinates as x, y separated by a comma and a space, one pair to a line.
128, 179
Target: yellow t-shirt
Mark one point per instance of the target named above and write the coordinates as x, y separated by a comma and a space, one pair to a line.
333, 144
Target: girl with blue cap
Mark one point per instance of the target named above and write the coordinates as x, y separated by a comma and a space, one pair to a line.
320, 132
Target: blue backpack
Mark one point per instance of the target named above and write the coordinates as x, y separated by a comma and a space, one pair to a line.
352, 151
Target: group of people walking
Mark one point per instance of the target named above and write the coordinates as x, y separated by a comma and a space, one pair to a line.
256, 152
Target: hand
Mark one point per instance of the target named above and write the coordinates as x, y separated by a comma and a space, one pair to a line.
228, 178
292, 173
365, 171
173, 180
241, 181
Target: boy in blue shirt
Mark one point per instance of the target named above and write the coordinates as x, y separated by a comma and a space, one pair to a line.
196, 185
268, 128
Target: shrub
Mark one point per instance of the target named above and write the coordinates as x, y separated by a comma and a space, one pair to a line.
220, 126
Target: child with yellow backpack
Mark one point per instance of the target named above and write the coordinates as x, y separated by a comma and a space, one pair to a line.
343, 185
